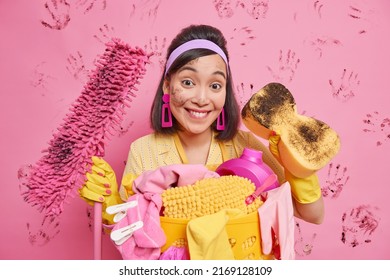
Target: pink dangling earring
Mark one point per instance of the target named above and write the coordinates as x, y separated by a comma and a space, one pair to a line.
221, 120
166, 115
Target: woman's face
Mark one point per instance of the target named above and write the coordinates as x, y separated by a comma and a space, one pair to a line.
197, 93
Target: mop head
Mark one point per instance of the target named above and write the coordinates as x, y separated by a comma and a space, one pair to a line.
93, 118
209, 196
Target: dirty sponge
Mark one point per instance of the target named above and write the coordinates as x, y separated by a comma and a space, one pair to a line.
306, 144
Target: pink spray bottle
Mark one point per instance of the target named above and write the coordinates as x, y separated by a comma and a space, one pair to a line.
250, 165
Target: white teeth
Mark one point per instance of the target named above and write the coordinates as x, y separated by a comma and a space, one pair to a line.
198, 114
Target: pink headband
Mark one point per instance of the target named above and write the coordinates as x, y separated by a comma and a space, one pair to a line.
194, 44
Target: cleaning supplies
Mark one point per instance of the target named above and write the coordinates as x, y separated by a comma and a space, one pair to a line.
208, 196
249, 165
93, 118
263, 188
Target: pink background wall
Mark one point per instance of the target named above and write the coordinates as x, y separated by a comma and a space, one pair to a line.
332, 55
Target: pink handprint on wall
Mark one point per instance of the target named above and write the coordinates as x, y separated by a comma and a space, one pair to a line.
254, 8
378, 125
317, 5
225, 8
45, 232
148, 8
288, 65
49, 226
158, 50
321, 43
88, 5
361, 14
76, 66
303, 245
335, 182
39, 78
358, 225
347, 86
243, 93
59, 14
257, 8
242, 35
106, 33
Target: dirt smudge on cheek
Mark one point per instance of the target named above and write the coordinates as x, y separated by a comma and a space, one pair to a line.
177, 97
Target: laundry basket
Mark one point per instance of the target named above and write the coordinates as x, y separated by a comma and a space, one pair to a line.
244, 235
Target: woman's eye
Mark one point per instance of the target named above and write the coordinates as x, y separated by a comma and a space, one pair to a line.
187, 83
216, 86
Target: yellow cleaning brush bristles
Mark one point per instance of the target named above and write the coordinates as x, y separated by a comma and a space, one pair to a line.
208, 196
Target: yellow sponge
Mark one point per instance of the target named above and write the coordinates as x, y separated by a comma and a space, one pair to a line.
306, 144
209, 196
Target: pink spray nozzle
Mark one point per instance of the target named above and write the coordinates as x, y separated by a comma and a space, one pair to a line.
269, 182
249, 165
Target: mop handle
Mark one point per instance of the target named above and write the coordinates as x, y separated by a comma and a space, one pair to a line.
97, 231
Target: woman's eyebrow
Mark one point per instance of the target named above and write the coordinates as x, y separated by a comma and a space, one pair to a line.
218, 72
187, 68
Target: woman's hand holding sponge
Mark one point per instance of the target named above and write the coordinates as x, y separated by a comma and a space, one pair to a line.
303, 145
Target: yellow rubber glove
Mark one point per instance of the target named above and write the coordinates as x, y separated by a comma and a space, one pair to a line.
304, 190
101, 186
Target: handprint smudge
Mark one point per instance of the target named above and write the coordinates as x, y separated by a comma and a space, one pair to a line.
224, 8
361, 14
106, 34
76, 66
242, 94
254, 8
334, 184
358, 225
59, 13
147, 8
378, 125
88, 5
258, 9
243, 35
356, 14
48, 230
158, 50
287, 67
318, 7
50, 225
303, 247
39, 79
347, 87
319, 44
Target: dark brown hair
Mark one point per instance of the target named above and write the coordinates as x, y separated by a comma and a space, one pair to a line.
231, 107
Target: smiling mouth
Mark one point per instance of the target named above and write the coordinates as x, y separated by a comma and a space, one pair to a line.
197, 115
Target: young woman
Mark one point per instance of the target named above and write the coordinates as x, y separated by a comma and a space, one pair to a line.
195, 118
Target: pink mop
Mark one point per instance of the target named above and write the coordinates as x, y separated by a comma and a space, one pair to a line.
94, 116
